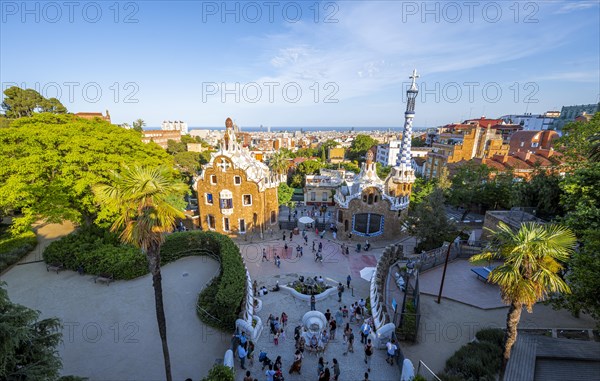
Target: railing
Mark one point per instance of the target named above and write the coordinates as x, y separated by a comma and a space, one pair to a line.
428, 373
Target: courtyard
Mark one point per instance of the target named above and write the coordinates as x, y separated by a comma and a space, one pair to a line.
110, 331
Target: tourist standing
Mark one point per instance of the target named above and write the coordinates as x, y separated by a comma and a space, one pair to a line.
248, 376
336, 369
348, 280
368, 354
264, 257
283, 236
320, 366
284, 319
340, 289
242, 355
291, 235
339, 317
325, 375
312, 303
332, 328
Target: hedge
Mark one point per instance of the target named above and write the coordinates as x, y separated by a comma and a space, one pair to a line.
15, 247
97, 251
220, 302
480, 360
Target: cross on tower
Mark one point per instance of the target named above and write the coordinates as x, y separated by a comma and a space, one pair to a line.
414, 77
224, 164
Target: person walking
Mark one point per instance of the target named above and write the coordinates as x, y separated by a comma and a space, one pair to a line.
365, 330
368, 354
283, 236
312, 303
313, 249
325, 375
339, 317
291, 235
348, 280
242, 355
391, 351
248, 376
264, 257
336, 369
340, 290
270, 373
297, 364
350, 339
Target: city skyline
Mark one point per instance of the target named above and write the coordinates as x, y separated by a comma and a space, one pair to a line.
304, 64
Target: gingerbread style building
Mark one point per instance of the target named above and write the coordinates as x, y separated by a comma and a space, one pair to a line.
237, 194
371, 207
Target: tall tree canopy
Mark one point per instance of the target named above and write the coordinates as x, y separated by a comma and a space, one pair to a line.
50, 162
24, 102
359, 147
28, 349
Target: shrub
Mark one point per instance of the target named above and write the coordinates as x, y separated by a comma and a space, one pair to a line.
222, 299
478, 360
219, 373
493, 335
97, 251
13, 247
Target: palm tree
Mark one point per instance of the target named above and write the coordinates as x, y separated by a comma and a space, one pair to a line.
279, 162
143, 197
532, 259
138, 125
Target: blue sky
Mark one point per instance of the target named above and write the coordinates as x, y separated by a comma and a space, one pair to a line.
350, 60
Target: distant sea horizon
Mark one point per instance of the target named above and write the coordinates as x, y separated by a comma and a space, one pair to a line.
306, 129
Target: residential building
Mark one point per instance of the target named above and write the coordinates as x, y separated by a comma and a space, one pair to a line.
387, 154
532, 141
336, 154
320, 189
176, 125
463, 142
532, 122
569, 113
160, 137
237, 194
93, 115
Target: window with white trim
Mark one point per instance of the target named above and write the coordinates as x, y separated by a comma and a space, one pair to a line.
247, 199
225, 199
313, 196
325, 196
226, 224
237, 180
210, 220
242, 225
213, 179
209, 198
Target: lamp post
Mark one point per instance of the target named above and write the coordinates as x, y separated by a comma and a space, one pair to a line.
439, 299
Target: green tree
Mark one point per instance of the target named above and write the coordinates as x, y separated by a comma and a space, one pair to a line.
309, 167
174, 147
594, 152
421, 190
142, 196
28, 349
468, 185
532, 258
580, 197
577, 140
359, 147
19, 103
427, 221
383, 170
284, 194
351, 166
417, 142
188, 162
541, 192
138, 125
50, 162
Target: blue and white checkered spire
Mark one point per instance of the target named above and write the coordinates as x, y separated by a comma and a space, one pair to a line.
404, 156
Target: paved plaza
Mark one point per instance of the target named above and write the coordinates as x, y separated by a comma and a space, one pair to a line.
110, 331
